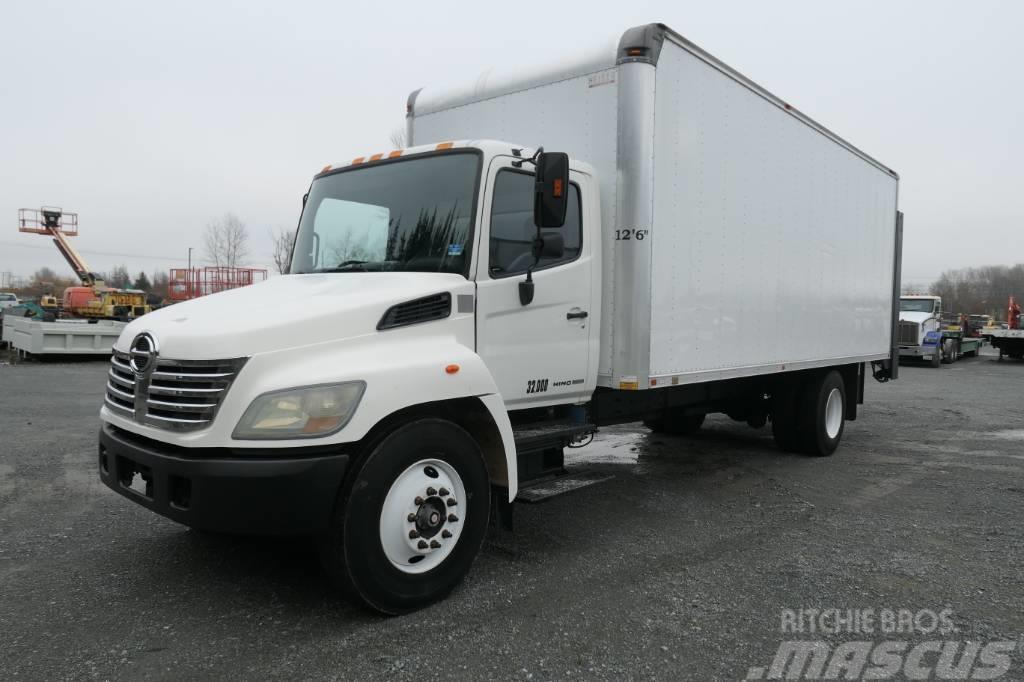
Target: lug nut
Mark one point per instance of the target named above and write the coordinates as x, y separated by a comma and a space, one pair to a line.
431, 492
413, 534
451, 502
411, 518
434, 544
453, 518
418, 501
443, 492
422, 544
446, 534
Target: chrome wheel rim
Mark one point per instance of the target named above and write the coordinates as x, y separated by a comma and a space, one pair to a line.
833, 413
423, 515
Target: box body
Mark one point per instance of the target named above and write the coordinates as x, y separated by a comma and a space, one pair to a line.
739, 237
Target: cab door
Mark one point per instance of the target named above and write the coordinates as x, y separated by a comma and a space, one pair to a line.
542, 353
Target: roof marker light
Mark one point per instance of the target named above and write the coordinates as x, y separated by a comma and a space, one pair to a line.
376, 157
325, 168
358, 160
445, 145
395, 154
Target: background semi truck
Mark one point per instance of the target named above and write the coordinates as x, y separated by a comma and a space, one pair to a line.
461, 310
926, 332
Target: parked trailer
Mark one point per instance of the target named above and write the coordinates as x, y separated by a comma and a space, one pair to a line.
461, 310
1009, 342
61, 337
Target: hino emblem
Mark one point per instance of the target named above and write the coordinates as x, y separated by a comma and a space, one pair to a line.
142, 354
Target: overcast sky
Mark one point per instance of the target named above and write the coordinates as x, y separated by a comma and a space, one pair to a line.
151, 119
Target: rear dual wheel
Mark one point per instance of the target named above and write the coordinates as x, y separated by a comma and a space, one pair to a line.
410, 519
809, 416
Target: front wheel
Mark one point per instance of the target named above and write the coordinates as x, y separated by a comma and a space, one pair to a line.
410, 521
949, 351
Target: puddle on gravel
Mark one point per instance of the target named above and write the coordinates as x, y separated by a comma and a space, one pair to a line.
614, 445
1009, 434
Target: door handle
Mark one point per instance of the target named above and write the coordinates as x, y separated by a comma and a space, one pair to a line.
581, 315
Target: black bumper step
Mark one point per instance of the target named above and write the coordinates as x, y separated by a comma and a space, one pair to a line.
550, 434
546, 488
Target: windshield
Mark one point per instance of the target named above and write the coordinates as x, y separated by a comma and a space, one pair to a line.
917, 305
413, 215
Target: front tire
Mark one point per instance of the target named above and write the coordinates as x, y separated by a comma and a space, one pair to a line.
949, 351
411, 519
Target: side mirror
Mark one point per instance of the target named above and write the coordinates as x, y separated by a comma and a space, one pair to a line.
549, 246
552, 190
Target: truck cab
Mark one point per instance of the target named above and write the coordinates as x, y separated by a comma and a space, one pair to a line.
424, 304
919, 332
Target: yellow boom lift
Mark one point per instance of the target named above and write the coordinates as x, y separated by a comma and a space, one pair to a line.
93, 299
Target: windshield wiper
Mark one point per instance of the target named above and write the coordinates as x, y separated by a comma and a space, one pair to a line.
345, 266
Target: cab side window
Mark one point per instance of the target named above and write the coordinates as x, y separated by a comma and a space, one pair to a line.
513, 229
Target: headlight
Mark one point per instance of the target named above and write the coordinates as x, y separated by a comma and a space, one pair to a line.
300, 412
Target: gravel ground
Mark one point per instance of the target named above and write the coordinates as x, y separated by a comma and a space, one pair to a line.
676, 568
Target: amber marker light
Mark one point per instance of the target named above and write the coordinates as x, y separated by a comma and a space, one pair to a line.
452, 369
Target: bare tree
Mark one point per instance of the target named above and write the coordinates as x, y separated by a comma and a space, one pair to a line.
983, 290
226, 241
161, 282
397, 138
119, 278
284, 241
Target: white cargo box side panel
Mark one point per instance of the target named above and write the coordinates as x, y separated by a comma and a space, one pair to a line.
577, 115
772, 243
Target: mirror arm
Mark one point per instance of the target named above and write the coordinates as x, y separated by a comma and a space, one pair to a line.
526, 287
518, 163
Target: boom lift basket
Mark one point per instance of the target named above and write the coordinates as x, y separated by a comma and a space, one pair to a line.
43, 220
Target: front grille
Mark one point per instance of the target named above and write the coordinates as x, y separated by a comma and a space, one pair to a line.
908, 334
179, 395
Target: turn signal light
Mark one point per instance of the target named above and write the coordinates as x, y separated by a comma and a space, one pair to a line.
451, 369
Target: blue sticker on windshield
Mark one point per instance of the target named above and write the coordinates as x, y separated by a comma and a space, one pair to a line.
455, 249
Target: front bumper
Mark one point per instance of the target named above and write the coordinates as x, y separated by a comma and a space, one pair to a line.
222, 491
918, 351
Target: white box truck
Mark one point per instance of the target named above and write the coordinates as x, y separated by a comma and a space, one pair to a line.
460, 310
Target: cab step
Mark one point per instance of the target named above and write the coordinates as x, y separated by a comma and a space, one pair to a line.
549, 434
544, 489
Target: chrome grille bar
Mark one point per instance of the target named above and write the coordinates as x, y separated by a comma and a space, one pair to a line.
179, 395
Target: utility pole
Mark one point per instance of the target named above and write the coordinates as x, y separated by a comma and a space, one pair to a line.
190, 259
